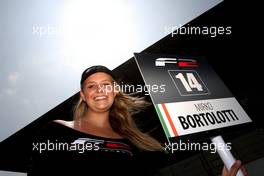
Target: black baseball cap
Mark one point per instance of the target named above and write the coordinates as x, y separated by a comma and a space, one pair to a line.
94, 69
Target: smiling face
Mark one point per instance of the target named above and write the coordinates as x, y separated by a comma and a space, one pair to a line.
97, 91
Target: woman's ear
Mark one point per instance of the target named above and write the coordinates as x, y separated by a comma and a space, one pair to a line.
82, 95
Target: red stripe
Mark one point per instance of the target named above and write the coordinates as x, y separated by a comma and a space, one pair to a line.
169, 119
187, 64
112, 145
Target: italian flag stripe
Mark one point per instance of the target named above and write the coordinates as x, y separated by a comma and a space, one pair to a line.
166, 120
169, 119
162, 121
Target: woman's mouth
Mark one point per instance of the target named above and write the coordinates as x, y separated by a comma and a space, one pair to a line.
98, 98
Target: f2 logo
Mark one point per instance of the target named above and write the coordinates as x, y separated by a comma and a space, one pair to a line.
188, 82
161, 62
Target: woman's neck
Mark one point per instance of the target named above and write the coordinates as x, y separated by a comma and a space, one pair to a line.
97, 124
97, 119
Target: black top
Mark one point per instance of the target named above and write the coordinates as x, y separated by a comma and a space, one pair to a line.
58, 149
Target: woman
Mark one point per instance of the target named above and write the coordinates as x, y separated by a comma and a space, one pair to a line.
109, 112
102, 138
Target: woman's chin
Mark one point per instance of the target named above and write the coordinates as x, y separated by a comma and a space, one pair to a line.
102, 108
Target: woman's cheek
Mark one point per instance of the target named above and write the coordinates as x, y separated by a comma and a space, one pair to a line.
112, 95
88, 95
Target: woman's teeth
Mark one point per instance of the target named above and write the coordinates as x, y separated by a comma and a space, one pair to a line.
100, 98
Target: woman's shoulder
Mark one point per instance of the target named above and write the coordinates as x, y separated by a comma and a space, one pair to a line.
69, 124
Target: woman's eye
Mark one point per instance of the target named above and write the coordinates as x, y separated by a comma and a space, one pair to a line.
90, 86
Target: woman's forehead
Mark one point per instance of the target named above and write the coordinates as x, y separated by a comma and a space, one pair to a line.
98, 77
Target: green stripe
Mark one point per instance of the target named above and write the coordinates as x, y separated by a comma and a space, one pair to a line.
162, 121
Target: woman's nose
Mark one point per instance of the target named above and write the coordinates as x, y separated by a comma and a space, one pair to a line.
100, 88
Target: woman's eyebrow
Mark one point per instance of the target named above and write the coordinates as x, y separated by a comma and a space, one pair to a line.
106, 80
89, 82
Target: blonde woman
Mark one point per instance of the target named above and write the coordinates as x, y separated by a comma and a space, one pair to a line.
105, 111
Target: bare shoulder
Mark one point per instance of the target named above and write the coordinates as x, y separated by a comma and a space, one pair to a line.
69, 124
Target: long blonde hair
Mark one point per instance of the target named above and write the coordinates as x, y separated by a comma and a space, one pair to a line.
121, 120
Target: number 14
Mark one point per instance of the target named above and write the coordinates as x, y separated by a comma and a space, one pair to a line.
190, 83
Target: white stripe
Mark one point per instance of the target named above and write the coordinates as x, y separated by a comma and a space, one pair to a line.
166, 120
